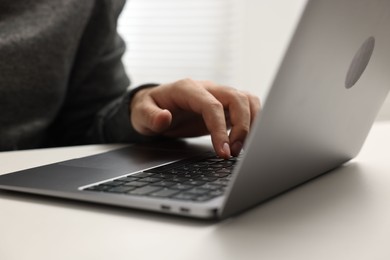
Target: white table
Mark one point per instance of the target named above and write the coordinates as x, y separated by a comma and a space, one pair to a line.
342, 215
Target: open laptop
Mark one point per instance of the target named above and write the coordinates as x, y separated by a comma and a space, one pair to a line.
329, 87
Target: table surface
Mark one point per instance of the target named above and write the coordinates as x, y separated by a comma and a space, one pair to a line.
342, 215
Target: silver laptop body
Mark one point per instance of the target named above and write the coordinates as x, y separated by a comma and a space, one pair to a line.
328, 90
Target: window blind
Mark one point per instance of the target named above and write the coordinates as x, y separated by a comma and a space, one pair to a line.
172, 39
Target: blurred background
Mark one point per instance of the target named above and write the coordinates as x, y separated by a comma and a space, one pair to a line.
233, 42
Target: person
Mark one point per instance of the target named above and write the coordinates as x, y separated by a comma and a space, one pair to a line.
62, 82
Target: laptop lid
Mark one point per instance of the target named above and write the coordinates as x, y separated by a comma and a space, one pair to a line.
328, 90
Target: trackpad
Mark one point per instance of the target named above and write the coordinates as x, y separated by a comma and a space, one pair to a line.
135, 157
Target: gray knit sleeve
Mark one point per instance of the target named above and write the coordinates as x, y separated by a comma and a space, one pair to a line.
96, 108
112, 123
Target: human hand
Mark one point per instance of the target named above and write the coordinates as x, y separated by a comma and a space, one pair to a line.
188, 108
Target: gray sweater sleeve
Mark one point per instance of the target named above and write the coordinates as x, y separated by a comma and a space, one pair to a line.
96, 109
62, 81
112, 122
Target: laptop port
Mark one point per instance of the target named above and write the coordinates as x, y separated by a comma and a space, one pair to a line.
165, 207
185, 210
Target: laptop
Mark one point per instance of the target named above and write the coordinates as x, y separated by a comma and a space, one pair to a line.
321, 105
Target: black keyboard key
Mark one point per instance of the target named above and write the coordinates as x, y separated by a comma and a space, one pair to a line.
189, 176
186, 168
200, 165
206, 197
179, 179
137, 183
164, 175
113, 183
179, 186
144, 190
215, 160
217, 166
194, 183
209, 169
216, 193
161, 169
206, 179
164, 184
203, 198
128, 178
221, 182
175, 171
121, 189
216, 175
99, 188
164, 193
150, 179
184, 196
191, 173
212, 186
197, 191
225, 170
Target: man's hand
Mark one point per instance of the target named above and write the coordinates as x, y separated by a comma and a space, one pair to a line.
189, 108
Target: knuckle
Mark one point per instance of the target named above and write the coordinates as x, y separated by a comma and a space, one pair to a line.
209, 83
253, 99
256, 102
228, 90
231, 89
215, 105
240, 96
243, 130
186, 82
237, 95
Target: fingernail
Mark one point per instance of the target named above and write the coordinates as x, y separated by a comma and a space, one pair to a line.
226, 150
236, 148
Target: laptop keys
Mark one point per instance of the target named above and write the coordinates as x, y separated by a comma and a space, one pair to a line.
197, 179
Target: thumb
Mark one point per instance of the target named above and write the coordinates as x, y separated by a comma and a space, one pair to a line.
160, 119
149, 119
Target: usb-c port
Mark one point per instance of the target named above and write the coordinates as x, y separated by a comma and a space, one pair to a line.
185, 210
165, 207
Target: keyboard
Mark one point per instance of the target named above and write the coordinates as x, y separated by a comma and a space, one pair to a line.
197, 179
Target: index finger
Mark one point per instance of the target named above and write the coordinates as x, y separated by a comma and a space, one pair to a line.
191, 95
240, 107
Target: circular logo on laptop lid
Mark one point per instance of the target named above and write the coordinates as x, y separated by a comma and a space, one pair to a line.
360, 62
